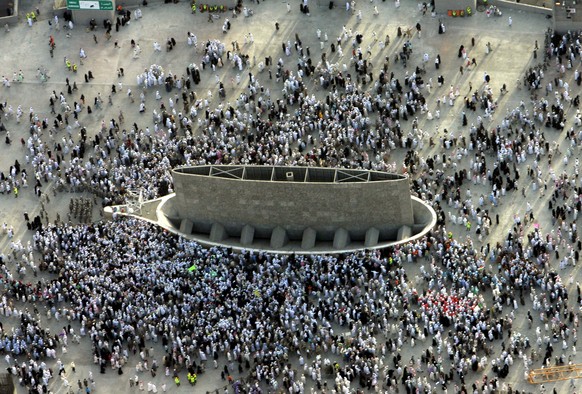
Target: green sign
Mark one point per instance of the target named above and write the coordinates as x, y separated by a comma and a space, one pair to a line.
98, 5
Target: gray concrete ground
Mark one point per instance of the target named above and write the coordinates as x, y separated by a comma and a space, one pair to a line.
26, 48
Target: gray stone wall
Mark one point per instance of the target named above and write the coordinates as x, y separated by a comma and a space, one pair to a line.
295, 206
513, 5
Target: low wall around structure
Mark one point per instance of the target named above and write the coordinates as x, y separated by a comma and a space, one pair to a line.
9, 12
81, 18
443, 6
512, 5
9, 20
180, 3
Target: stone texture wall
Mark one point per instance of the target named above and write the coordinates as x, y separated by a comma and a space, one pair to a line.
295, 206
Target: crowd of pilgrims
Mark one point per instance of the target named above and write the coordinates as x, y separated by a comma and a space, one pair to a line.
126, 285
298, 129
343, 319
